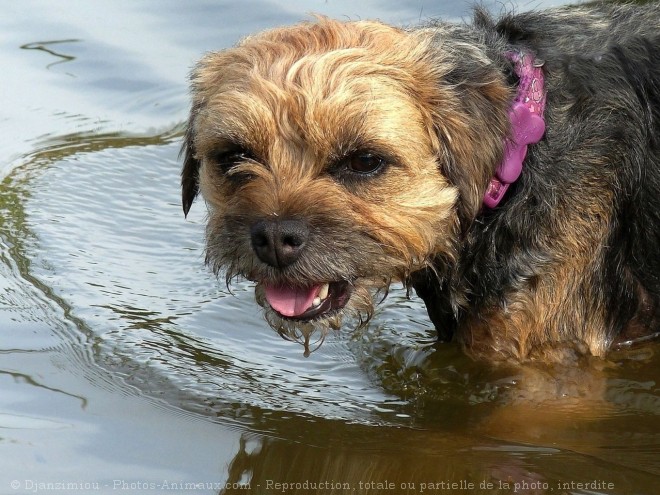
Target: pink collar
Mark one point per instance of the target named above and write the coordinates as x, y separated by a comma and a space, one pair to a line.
527, 125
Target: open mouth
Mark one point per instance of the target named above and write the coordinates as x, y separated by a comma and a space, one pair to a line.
307, 303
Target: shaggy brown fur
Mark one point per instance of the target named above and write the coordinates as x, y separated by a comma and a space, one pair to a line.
355, 154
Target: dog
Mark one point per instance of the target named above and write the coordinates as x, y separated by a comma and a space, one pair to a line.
507, 170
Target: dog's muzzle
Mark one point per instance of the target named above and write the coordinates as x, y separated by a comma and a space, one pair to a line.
279, 243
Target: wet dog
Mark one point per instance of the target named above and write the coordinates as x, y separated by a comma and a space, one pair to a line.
508, 170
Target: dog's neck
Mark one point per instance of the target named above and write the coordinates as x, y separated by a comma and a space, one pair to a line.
527, 124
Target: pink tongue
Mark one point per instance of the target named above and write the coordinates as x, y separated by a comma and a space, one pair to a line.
291, 301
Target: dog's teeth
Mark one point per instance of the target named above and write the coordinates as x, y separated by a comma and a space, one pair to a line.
316, 301
323, 293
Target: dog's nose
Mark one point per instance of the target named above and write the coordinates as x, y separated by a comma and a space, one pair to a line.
279, 242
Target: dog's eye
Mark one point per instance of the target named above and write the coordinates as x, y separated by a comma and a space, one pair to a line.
364, 163
227, 159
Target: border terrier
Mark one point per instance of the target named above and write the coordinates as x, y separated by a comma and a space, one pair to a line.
507, 170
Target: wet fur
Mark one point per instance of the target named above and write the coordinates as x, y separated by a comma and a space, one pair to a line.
570, 259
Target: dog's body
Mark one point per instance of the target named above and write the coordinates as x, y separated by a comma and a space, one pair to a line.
338, 157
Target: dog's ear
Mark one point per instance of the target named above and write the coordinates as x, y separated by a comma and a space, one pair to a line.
191, 164
473, 132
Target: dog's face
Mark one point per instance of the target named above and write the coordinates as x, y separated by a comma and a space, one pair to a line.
325, 153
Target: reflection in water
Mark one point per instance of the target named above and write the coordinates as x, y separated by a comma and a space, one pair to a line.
352, 459
50, 48
24, 378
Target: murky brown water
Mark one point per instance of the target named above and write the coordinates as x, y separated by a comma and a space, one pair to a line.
125, 367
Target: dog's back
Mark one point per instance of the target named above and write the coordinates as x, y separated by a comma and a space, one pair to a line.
599, 164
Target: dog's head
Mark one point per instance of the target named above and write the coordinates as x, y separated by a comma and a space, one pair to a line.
337, 157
